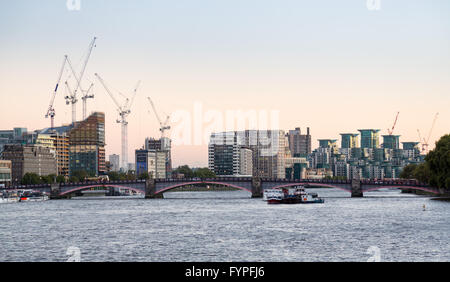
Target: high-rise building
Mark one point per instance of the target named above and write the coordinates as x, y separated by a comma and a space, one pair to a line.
87, 145
246, 162
5, 172
268, 149
30, 159
370, 138
224, 154
299, 144
391, 141
410, 145
60, 138
162, 144
114, 160
151, 162
349, 140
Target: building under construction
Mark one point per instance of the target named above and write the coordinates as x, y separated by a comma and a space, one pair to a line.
87, 145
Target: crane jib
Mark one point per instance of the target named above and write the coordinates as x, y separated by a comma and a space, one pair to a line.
56, 88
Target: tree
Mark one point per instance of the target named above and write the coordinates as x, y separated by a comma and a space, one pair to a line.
422, 173
438, 162
408, 171
80, 174
30, 178
113, 175
186, 170
48, 179
144, 176
74, 179
60, 179
204, 173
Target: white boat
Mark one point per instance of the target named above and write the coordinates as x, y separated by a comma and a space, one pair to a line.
6, 197
30, 196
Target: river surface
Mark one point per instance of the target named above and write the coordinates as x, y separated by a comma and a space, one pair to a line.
228, 226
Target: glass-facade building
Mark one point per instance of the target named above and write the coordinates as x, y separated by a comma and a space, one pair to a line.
349, 140
87, 145
391, 141
370, 138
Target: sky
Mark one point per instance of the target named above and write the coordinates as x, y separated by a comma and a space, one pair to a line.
333, 66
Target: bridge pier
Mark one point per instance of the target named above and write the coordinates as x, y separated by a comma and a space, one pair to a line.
150, 190
356, 189
256, 188
55, 192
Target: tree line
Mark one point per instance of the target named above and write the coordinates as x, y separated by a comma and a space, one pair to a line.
436, 169
82, 175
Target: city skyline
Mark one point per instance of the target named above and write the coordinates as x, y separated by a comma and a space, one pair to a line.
381, 62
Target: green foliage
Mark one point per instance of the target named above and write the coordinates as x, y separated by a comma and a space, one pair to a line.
200, 172
144, 176
48, 179
438, 162
80, 174
408, 171
186, 170
204, 173
113, 175
436, 169
60, 179
74, 179
31, 178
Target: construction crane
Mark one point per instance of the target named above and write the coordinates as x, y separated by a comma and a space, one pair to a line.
124, 112
425, 142
391, 131
51, 110
163, 125
72, 98
85, 97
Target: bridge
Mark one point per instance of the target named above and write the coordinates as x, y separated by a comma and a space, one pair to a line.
154, 188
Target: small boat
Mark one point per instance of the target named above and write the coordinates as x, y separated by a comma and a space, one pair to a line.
8, 197
33, 196
295, 195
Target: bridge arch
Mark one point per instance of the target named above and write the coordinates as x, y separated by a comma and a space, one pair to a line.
82, 188
402, 187
202, 182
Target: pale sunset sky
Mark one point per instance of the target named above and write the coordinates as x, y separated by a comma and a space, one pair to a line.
333, 66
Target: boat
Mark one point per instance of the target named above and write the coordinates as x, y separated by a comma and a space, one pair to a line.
295, 195
8, 197
33, 196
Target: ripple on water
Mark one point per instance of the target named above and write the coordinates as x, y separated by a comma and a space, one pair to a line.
228, 226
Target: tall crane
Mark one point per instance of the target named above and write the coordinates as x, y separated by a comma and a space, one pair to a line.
51, 110
124, 112
163, 125
72, 98
391, 131
85, 97
425, 142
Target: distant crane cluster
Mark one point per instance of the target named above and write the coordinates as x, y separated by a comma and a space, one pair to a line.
423, 141
123, 109
72, 99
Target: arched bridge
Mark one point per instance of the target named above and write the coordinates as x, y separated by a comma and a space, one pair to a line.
154, 188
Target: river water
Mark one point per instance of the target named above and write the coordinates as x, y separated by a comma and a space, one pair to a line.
228, 226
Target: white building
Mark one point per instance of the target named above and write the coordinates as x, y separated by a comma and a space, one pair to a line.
114, 160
